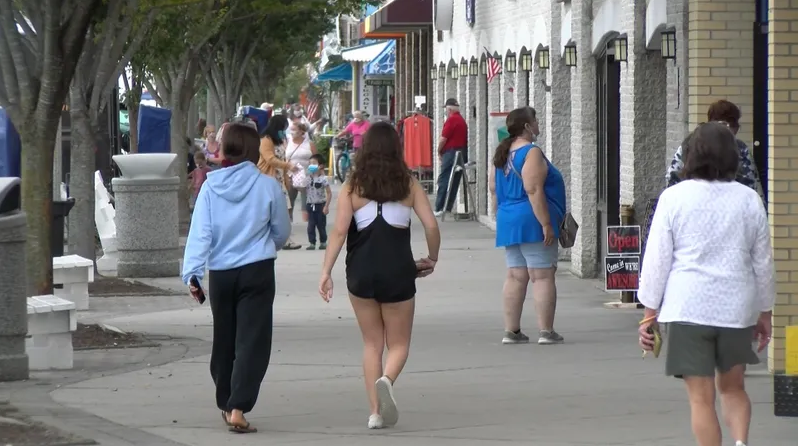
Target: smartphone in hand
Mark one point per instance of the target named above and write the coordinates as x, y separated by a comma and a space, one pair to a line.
199, 295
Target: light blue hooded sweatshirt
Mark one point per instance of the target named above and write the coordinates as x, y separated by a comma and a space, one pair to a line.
240, 217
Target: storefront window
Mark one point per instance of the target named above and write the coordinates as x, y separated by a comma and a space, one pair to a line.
383, 101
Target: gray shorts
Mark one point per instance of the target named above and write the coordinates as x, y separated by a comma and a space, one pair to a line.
700, 350
531, 255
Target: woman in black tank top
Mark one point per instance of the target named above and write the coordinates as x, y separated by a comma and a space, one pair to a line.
380, 269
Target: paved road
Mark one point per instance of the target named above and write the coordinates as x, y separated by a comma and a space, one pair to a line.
460, 387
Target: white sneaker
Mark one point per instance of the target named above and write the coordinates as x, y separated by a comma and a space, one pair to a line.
386, 401
739, 443
375, 421
438, 214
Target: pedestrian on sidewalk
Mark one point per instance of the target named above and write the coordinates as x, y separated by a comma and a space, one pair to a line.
453, 140
319, 195
373, 217
240, 221
708, 273
528, 198
728, 114
272, 161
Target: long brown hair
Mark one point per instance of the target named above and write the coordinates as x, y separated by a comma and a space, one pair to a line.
380, 172
516, 125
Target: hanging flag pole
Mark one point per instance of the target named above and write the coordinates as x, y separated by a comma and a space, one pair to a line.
494, 68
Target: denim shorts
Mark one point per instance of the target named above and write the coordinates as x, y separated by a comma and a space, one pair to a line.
532, 255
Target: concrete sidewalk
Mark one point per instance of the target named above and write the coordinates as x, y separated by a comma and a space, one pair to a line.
460, 387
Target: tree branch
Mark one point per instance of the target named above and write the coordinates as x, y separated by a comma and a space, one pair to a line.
28, 33
239, 83
21, 81
110, 34
108, 77
66, 43
151, 89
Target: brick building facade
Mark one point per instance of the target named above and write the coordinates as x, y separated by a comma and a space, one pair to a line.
612, 123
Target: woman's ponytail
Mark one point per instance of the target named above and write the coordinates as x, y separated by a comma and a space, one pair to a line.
502, 153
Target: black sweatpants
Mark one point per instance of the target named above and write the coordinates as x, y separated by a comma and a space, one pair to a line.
242, 302
316, 221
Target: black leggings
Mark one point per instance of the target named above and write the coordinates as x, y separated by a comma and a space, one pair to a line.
242, 302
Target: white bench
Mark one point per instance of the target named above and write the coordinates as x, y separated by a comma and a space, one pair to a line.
73, 273
51, 321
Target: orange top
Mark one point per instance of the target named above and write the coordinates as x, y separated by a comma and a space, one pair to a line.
418, 141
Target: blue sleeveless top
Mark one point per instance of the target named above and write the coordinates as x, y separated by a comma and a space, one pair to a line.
515, 221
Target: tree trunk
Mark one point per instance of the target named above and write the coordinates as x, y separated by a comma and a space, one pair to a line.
178, 141
81, 181
133, 118
38, 142
210, 110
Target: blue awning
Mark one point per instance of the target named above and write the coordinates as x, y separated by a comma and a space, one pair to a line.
339, 73
384, 63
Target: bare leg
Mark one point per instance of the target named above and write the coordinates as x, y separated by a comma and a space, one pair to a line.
735, 402
398, 321
369, 318
544, 292
701, 392
514, 293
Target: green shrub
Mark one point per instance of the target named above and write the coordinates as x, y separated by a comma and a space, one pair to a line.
323, 147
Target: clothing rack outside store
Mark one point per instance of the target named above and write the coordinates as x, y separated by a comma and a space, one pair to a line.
419, 155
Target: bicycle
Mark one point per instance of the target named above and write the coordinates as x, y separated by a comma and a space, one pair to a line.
343, 162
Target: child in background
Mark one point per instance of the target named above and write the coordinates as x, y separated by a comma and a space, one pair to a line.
198, 176
318, 204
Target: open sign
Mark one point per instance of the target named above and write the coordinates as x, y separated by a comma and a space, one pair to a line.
623, 240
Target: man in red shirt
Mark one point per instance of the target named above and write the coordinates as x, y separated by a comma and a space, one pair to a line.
454, 138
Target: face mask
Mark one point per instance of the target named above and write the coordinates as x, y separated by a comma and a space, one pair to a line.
281, 134
313, 168
298, 114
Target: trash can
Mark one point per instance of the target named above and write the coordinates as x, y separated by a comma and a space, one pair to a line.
13, 302
60, 211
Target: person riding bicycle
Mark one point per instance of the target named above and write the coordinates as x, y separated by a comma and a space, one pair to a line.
356, 128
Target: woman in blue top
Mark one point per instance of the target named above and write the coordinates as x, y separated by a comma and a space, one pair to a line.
240, 221
529, 202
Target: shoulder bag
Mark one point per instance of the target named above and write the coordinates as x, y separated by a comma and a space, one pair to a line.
568, 227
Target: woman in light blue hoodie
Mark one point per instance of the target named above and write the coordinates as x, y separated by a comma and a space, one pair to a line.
240, 221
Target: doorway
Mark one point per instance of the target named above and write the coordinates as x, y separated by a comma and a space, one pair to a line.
608, 117
760, 111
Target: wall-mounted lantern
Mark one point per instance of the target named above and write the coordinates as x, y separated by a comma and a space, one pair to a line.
433, 73
473, 67
621, 49
526, 61
463, 68
510, 63
570, 54
454, 72
543, 58
442, 71
668, 44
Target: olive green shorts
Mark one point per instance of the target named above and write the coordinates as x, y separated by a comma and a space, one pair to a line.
700, 350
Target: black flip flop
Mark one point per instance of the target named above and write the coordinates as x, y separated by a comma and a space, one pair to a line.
246, 429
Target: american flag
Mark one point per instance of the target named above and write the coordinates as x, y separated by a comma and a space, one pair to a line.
494, 66
311, 109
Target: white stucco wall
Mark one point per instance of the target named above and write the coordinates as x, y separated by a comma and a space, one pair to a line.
565, 97
500, 25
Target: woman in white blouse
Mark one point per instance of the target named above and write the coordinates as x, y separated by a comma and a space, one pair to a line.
708, 273
300, 149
